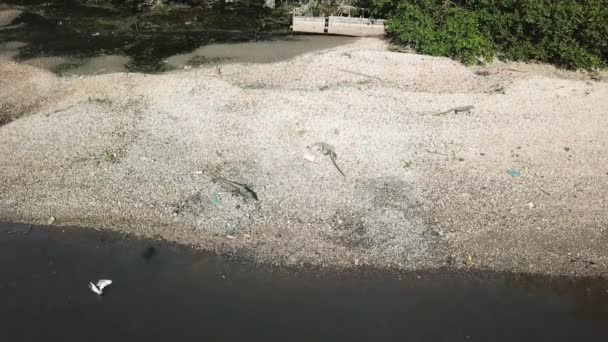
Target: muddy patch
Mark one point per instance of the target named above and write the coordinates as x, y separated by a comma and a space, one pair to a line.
349, 230
390, 223
74, 38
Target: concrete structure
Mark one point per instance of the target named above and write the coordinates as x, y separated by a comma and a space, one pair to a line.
347, 26
360, 27
308, 24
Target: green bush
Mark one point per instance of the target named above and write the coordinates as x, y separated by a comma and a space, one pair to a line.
571, 34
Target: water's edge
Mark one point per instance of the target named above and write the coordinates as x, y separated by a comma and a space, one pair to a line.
165, 290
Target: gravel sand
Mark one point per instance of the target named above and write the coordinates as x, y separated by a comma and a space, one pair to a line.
7, 15
519, 183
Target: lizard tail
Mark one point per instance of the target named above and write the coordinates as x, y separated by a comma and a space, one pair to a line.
337, 167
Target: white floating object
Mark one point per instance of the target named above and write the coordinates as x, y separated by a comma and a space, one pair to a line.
101, 284
51, 220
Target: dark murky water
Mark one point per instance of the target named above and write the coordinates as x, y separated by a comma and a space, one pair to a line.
164, 292
64, 35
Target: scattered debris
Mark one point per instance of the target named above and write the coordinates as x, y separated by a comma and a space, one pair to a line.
216, 202
99, 286
482, 73
436, 152
51, 220
497, 89
327, 150
109, 156
309, 157
514, 173
247, 235
530, 205
359, 74
58, 110
586, 262
238, 188
20, 228
230, 237
95, 34
407, 164
456, 110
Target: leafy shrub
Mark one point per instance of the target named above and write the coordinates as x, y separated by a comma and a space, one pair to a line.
572, 34
453, 32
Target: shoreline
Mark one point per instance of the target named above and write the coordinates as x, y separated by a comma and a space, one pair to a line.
111, 236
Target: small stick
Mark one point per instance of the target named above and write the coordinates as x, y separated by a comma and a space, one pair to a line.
456, 110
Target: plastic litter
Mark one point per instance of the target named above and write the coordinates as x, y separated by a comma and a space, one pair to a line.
514, 173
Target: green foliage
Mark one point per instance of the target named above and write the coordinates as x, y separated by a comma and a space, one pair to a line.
572, 34
440, 30
109, 156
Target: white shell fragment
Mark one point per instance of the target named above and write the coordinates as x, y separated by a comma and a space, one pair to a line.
309, 156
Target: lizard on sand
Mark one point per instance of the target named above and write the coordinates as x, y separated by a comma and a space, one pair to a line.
237, 188
328, 150
456, 110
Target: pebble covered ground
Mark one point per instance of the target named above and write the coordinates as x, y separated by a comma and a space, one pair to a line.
518, 183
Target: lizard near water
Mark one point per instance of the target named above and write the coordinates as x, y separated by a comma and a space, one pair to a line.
240, 189
328, 150
456, 110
